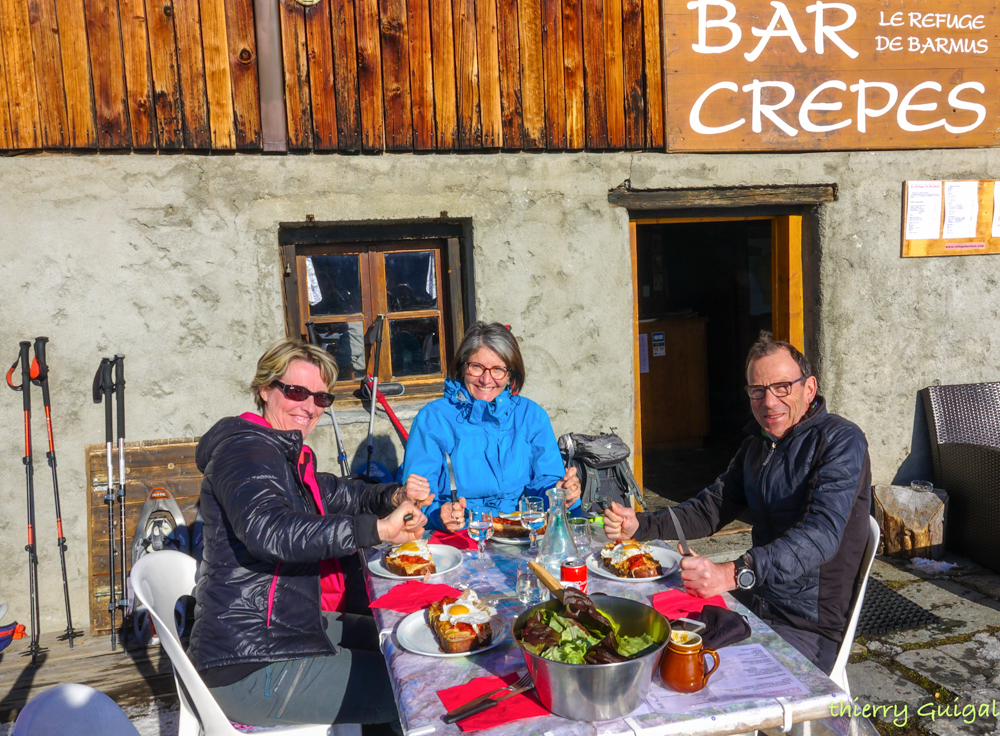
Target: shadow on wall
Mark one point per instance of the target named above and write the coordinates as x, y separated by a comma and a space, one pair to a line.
384, 453
918, 465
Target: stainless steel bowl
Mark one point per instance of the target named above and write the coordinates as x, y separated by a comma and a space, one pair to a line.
599, 692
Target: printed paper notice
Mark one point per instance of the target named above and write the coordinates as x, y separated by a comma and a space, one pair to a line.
659, 345
961, 209
644, 353
923, 210
746, 672
996, 209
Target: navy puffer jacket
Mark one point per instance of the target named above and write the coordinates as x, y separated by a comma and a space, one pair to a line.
258, 596
809, 496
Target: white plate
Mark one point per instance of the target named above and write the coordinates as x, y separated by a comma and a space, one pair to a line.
446, 559
414, 635
513, 540
668, 559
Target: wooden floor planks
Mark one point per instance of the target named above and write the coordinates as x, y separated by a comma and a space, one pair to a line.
127, 678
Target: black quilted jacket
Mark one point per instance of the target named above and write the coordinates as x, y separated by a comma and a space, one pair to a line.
809, 496
258, 596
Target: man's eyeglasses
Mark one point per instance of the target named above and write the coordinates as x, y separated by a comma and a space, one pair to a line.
476, 370
299, 393
780, 389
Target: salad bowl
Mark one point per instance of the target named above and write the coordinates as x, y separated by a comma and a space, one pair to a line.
599, 692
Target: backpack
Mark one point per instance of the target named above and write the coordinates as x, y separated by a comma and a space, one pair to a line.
601, 462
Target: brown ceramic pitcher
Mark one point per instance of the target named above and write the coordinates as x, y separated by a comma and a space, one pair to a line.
682, 667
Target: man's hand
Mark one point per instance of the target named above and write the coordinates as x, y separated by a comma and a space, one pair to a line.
572, 485
453, 515
396, 529
418, 490
620, 521
704, 578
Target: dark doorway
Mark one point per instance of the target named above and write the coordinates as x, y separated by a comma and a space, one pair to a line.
704, 293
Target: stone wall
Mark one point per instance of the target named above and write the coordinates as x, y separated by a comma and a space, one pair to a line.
173, 260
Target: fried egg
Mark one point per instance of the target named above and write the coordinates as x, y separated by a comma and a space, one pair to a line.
468, 609
622, 551
417, 548
513, 516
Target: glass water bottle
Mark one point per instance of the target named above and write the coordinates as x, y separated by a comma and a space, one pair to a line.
557, 543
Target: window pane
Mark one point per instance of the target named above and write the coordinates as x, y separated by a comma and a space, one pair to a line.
414, 345
334, 284
410, 281
345, 341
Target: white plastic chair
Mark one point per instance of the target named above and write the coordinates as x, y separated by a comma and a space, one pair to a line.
839, 672
72, 710
159, 580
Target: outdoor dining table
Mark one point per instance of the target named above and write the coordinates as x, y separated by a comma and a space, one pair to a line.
417, 678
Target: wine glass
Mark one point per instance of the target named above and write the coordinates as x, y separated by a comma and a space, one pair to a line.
532, 518
480, 529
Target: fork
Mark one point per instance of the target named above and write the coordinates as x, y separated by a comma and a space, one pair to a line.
457, 714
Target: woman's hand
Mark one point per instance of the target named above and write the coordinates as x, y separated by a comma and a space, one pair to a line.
572, 485
396, 529
453, 514
417, 490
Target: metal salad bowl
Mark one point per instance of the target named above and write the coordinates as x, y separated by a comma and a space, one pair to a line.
599, 692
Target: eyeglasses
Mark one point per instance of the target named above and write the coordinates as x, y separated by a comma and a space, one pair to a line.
298, 393
780, 389
476, 370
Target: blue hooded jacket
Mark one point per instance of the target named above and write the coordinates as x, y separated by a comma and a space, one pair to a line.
500, 450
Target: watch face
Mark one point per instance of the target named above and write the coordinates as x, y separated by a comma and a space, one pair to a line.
746, 579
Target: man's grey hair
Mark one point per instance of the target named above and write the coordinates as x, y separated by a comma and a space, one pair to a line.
767, 345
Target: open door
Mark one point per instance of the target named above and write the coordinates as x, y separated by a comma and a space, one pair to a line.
784, 319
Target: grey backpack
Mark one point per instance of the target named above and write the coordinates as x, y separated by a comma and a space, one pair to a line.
601, 462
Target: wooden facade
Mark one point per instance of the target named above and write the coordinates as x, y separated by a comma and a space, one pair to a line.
359, 75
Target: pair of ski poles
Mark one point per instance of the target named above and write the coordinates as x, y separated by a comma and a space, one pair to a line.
36, 371
106, 384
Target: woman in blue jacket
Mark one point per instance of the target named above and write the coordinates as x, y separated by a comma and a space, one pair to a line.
501, 444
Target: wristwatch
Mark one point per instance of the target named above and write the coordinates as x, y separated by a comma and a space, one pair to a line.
746, 578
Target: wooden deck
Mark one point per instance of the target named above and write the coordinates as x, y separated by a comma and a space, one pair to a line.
128, 678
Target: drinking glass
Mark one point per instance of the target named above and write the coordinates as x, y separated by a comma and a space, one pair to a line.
580, 530
925, 486
532, 510
528, 590
480, 530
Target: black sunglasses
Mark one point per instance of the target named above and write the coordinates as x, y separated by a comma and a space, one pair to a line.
298, 393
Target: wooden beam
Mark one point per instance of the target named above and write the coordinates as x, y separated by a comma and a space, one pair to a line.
82, 123
164, 65
394, 42
794, 195
243, 64
529, 19
555, 76
633, 238
418, 17
470, 130
218, 82
322, 90
443, 39
294, 52
786, 280
345, 65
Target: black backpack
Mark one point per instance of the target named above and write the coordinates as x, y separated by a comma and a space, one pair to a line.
601, 462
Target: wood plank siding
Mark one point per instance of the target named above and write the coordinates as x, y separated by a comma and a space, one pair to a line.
359, 75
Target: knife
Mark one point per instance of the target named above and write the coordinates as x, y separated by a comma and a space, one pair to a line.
682, 542
474, 708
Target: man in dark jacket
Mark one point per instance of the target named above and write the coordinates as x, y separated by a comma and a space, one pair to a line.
805, 476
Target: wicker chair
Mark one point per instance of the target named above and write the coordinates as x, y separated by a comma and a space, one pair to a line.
964, 426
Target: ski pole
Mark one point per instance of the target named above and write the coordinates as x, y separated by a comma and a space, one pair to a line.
120, 405
40, 373
103, 387
25, 389
345, 468
377, 341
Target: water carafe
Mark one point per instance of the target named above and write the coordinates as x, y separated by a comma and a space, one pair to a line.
557, 543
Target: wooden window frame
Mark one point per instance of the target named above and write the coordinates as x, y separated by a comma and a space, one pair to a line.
372, 242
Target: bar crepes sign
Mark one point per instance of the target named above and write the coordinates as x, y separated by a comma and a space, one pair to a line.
757, 75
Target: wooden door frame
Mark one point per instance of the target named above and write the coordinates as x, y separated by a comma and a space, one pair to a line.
787, 297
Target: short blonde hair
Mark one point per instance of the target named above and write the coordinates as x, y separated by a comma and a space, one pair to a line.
275, 361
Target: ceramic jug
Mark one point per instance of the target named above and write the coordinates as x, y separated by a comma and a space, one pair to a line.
682, 667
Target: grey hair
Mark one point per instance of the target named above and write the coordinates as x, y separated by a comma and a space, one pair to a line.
767, 345
500, 340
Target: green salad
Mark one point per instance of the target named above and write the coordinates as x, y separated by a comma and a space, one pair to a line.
580, 634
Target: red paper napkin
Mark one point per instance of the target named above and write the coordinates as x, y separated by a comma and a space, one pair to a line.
459, 539
413, 595
676, 604
514, 708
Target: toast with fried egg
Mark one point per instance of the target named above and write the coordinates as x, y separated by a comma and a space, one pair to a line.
461, 624
508, 526
628, 558
410, 559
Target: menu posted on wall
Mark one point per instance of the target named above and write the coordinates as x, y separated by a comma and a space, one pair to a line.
950, 218
773, 75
